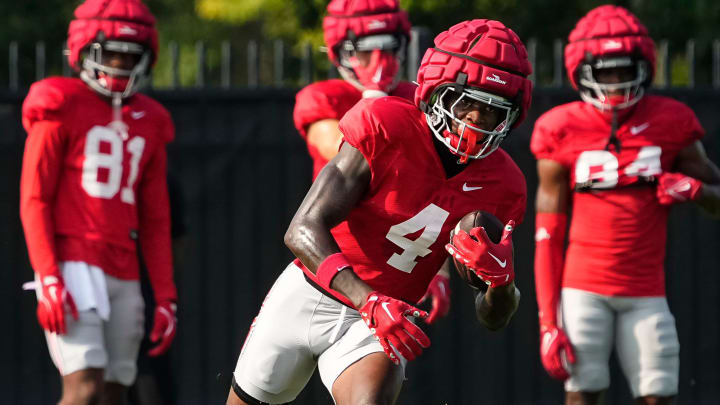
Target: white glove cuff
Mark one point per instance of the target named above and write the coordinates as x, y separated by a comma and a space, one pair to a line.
373, 94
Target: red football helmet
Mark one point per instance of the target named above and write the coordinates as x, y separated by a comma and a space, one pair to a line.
483, 61
363, 25
124, 26
610, 37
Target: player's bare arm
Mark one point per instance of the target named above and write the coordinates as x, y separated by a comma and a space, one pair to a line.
325, 136
337, 189
495, 308
445, 268
694, 162
553, 190
496, 297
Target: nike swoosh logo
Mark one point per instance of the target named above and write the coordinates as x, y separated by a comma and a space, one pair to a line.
384, 306
636, 130
502, 263
136, 115
468, 188
548, 338
682, 187
378, 75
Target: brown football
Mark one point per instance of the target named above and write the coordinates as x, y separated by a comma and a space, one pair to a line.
493, 228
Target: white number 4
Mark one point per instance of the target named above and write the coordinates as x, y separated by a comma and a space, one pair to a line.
431, 218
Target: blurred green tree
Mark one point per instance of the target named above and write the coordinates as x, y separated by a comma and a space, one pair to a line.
299, 22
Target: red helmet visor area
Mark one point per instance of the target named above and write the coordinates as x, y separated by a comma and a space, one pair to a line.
348, 49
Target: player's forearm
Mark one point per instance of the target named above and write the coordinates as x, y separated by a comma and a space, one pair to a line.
39, 236
312, 244
157, 253
445, 268
495, 308
709, 199
41, 169
350, 285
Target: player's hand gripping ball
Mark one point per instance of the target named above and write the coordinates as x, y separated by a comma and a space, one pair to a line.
493, 228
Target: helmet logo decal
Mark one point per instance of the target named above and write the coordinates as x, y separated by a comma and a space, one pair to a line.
376, 25
495, 78
378, 75
126, 30
612, 44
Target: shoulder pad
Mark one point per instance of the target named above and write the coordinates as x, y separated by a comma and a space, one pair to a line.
329, 99
46, 99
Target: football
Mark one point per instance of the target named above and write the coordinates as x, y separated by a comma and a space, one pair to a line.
493, 228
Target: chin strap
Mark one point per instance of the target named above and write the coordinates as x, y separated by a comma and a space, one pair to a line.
117, 123
613, 131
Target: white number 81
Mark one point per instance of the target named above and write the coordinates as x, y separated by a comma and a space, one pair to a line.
112, 162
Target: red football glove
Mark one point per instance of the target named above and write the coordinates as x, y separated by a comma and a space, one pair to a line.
556, 352
439, 289
164, 327
54, 301
677, 187
380, 73
386, 318
491, 262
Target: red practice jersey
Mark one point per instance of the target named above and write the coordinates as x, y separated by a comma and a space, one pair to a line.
331, 99
618, 229
87, 191
395, 237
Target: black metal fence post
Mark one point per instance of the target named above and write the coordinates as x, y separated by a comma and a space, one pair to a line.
663, 58
226, 65
252, 64
690, 60
13, 69
278, 62
174, 64
532, 57
40, 60
558, 64
200, 57
306, 64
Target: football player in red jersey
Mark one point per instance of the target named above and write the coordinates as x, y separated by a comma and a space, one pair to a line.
93, 181
366, 40
370, 234
617, 160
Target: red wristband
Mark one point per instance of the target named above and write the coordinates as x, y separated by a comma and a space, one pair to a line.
329, 268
